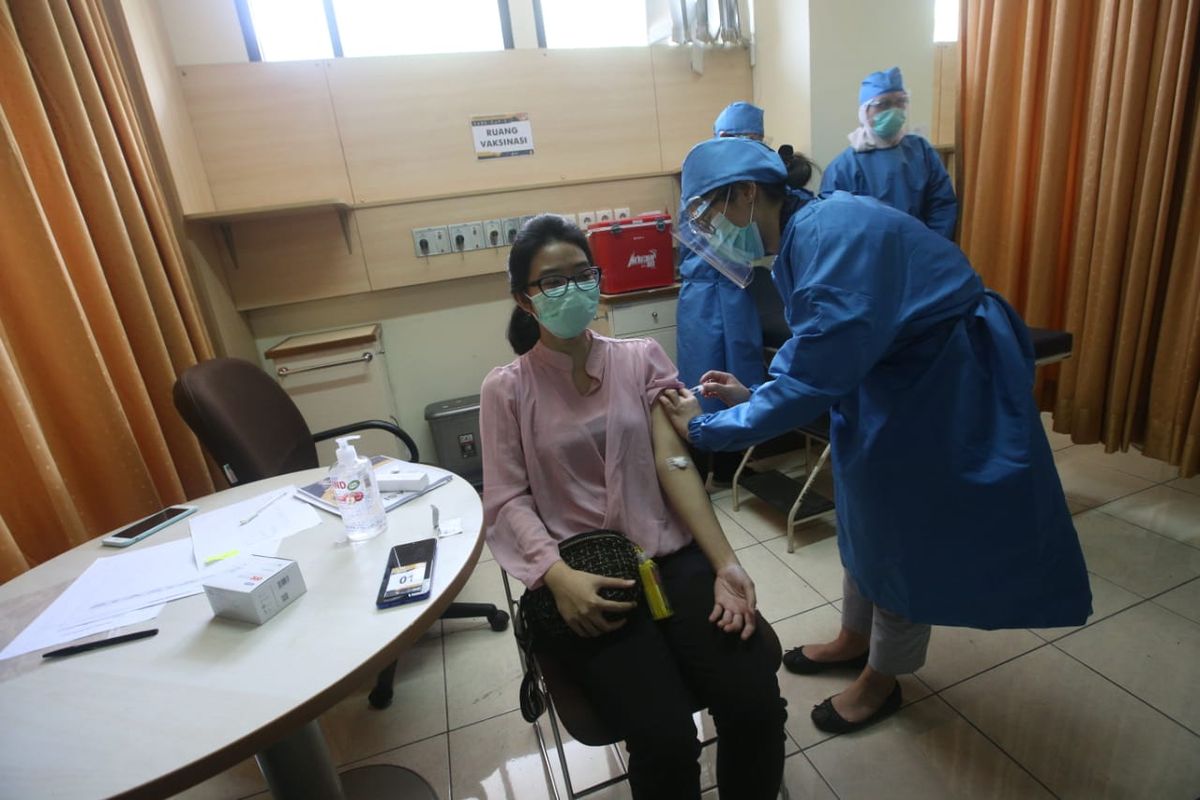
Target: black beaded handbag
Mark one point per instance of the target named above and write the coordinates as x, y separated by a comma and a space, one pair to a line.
600, 552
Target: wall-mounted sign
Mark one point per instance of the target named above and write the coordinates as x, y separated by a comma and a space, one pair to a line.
502, 136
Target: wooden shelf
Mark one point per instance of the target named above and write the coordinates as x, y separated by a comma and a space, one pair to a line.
224, 220
290, 209
265, 212
517, 188
326, 340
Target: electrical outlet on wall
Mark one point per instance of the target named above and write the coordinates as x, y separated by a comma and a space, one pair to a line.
621, 213
586, 218
571, 218
466, 236
431, 241
604, 215
493, 233
512, 226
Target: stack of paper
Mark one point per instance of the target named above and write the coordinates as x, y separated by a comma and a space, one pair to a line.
251, 527
132, 587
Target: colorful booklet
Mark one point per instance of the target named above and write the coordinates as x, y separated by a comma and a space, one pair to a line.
320, 494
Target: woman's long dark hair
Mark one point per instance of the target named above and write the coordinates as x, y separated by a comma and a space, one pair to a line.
544, 229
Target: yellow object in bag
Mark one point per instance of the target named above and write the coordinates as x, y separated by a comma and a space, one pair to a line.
656, 596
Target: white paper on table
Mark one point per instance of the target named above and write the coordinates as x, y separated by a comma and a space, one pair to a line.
118, 590
50, 629
219, 535
122, 583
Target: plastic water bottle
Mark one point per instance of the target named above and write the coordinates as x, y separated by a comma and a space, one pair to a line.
356, 493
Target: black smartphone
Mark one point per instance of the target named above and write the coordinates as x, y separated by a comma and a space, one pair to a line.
409, 574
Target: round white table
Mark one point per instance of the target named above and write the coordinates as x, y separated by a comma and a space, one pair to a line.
153, 717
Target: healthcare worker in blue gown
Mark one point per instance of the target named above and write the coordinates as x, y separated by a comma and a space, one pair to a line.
950, 510
886, 162
717, 323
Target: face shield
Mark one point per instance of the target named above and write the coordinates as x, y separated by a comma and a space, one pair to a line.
730, 249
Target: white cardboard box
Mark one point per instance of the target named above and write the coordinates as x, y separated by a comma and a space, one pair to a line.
258, 588
400, 477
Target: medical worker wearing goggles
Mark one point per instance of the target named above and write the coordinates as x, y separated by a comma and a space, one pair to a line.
884, 162
949, 508
718, 326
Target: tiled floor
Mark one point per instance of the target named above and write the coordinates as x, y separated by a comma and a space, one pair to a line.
1110, 710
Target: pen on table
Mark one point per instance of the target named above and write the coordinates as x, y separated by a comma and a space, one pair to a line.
83, 648
265, 505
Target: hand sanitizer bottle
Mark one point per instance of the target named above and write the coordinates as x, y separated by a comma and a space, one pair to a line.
356, 493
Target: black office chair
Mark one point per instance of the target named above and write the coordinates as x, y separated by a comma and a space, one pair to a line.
253, 430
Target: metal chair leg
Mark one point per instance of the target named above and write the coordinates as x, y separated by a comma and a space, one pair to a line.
737, 476
791, 520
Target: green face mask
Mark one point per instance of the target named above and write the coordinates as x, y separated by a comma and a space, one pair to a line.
888, 123
567, 315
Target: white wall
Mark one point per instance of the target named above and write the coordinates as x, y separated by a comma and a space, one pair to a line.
852, 38
782, 75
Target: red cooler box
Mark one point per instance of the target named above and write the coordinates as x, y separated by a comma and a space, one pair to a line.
635, 253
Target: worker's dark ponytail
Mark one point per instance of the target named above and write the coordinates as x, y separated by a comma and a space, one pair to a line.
799, 167
544, 229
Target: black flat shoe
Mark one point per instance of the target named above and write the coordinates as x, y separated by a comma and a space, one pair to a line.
826, 717
795, 661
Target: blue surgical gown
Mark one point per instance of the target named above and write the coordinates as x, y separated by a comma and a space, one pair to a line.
950, 510
909, 176
717, 328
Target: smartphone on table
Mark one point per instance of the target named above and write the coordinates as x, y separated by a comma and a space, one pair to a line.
408, 577
136, 531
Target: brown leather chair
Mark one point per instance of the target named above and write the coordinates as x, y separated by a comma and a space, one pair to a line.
253, 430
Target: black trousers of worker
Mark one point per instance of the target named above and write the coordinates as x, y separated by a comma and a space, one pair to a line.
646, 679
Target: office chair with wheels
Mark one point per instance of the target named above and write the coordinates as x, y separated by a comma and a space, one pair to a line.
253, 430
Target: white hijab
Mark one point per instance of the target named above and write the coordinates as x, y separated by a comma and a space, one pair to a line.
863, 138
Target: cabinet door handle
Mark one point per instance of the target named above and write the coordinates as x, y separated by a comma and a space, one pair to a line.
283, 372
654, 314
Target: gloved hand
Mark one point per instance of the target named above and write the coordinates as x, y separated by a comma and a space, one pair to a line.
724, 386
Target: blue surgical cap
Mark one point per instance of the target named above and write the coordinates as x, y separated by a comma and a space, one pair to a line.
878, 83
719, 162
739, 118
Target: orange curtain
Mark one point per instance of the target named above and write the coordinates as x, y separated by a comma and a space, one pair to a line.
1078, 196
97, 314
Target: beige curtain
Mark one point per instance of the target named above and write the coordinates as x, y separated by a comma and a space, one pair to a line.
1078, 191
97, 315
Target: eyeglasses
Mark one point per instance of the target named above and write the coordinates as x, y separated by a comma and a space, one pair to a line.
888, 103
556, 285
698, 211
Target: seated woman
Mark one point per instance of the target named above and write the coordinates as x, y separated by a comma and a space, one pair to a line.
574, 441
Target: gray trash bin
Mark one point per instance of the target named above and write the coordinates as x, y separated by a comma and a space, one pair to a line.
455, 427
